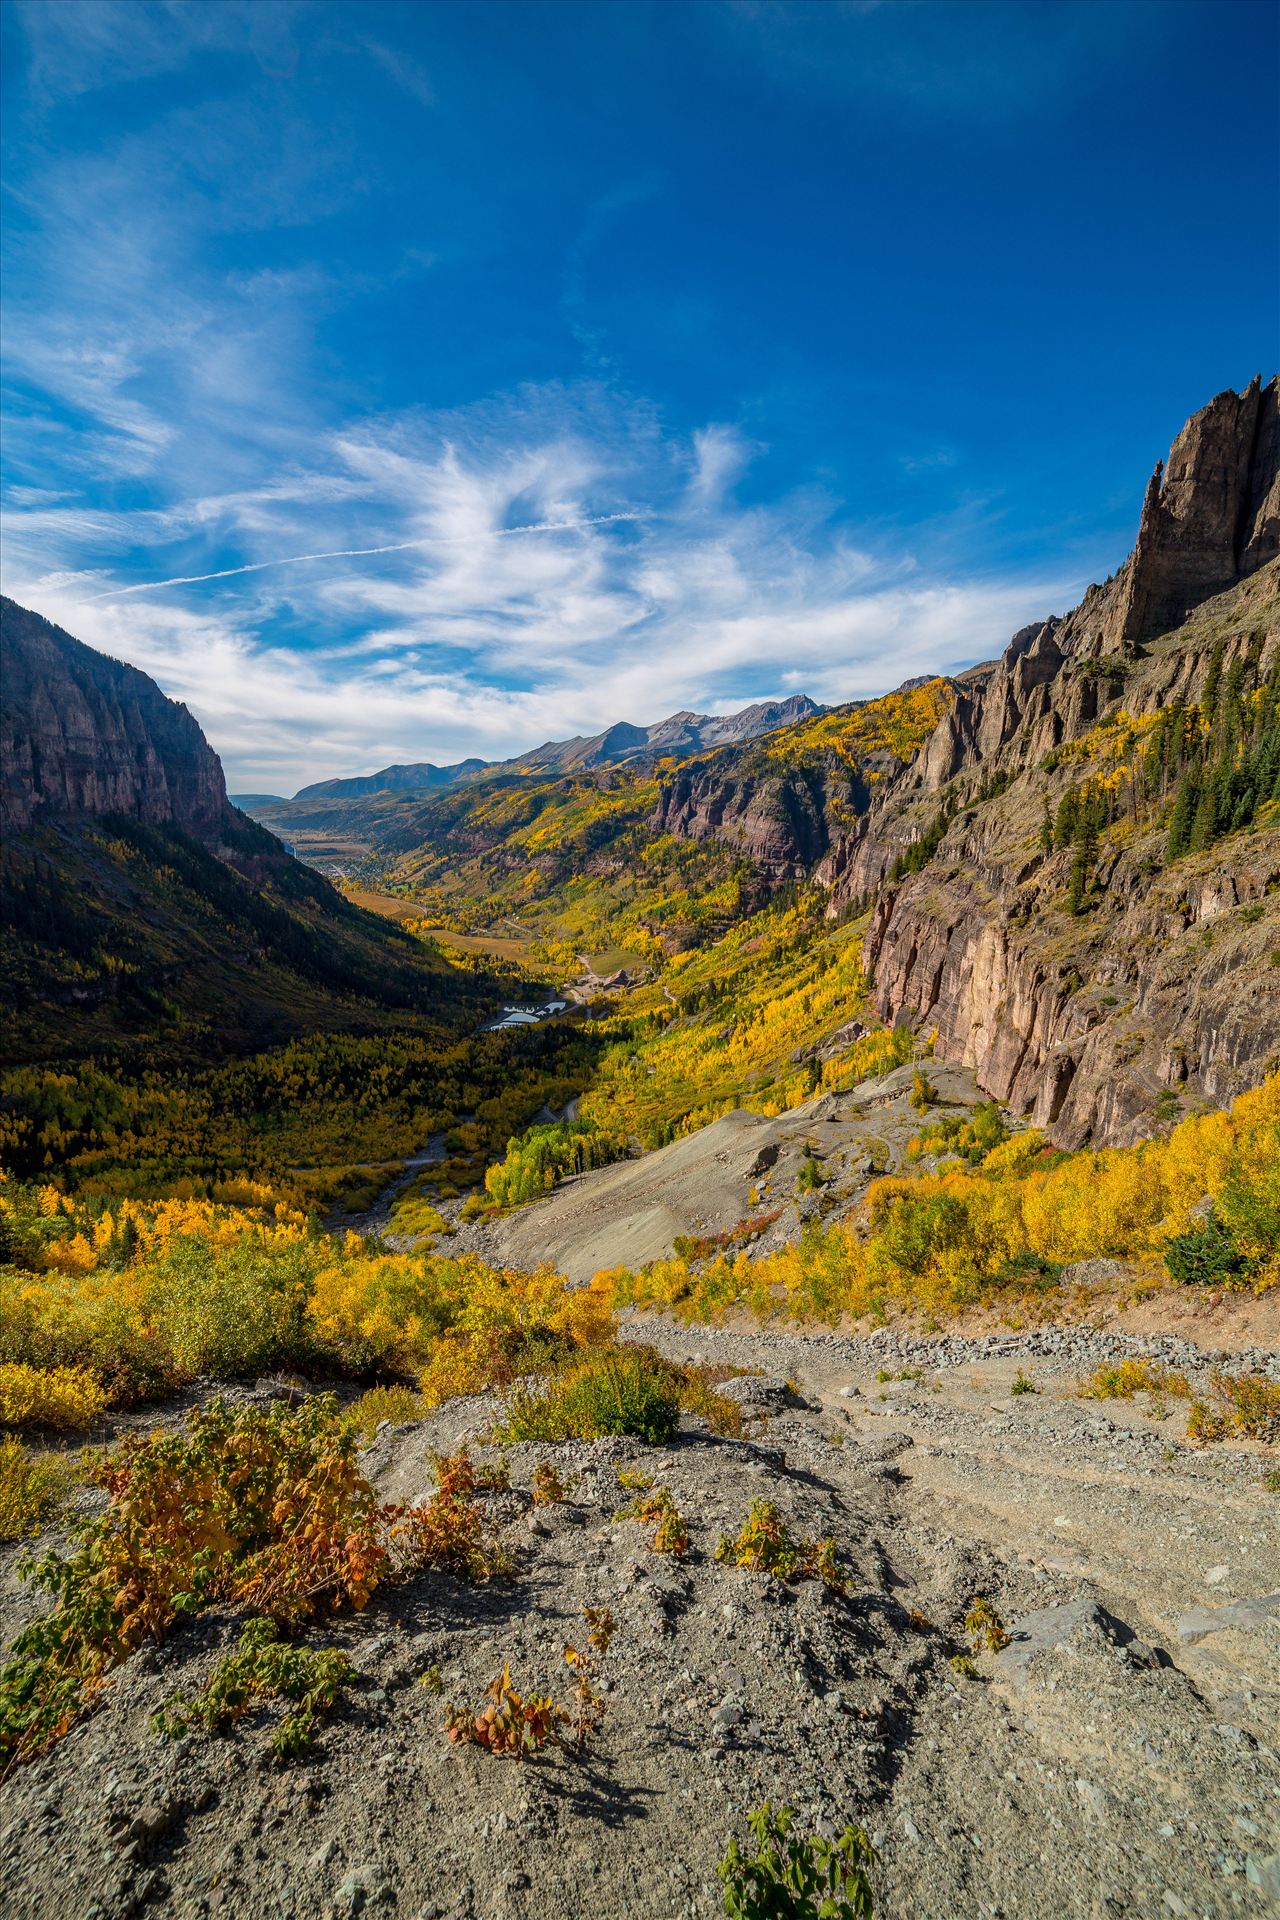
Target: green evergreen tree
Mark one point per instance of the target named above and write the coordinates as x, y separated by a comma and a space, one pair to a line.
1082, 865
1184, 808
1205, 822
1046, 828
1155, 765
1209, 701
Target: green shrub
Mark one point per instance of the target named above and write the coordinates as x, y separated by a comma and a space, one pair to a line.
397, 1404
918, 1226
767, 1545
790, 1877
32, 1487
619, 1390
810, 1175
233, 1311
264, 1667
1206, 1256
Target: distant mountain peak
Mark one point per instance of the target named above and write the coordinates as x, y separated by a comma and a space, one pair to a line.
680, 733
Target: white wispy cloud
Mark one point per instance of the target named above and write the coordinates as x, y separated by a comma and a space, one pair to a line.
484, 632
358, 553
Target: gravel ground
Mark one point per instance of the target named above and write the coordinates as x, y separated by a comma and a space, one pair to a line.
1119, 1758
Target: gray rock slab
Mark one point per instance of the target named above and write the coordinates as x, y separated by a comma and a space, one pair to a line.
1077, 1626
1243, 1616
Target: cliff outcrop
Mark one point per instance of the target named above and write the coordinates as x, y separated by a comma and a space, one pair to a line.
1211, 516
1164, 989
783, 822
82, 734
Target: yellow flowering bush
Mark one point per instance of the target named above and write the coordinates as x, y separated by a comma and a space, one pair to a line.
50, 1396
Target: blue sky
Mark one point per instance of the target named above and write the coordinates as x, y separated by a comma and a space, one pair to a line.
816, 345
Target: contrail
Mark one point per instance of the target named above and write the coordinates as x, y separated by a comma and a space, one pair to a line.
358, 553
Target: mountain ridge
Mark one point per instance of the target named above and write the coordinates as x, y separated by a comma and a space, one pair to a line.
615, 745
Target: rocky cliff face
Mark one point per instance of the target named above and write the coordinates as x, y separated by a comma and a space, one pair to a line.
1168, 987
81, 734
1165, 990
1211, 516
781, 822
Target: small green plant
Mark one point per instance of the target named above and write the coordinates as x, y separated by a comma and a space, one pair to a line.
618, 1390
432, 1680
493, 1475
399, 1405
765, 1545
264, 1667
634, 1479
985, 1627
547, 1486
1023, 1384
1243, 1406
1128, 1377
1271, 1480
810, 1175
656, 1508
962, 1663
797, 1877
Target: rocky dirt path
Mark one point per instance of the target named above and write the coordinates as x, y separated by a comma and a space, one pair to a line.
1118, 1759
375, 1219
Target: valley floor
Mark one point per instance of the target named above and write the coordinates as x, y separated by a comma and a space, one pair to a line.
1118, 1758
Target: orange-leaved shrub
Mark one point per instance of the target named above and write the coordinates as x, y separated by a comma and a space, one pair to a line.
262, 1508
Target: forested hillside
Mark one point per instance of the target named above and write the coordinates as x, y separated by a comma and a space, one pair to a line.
182, 998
